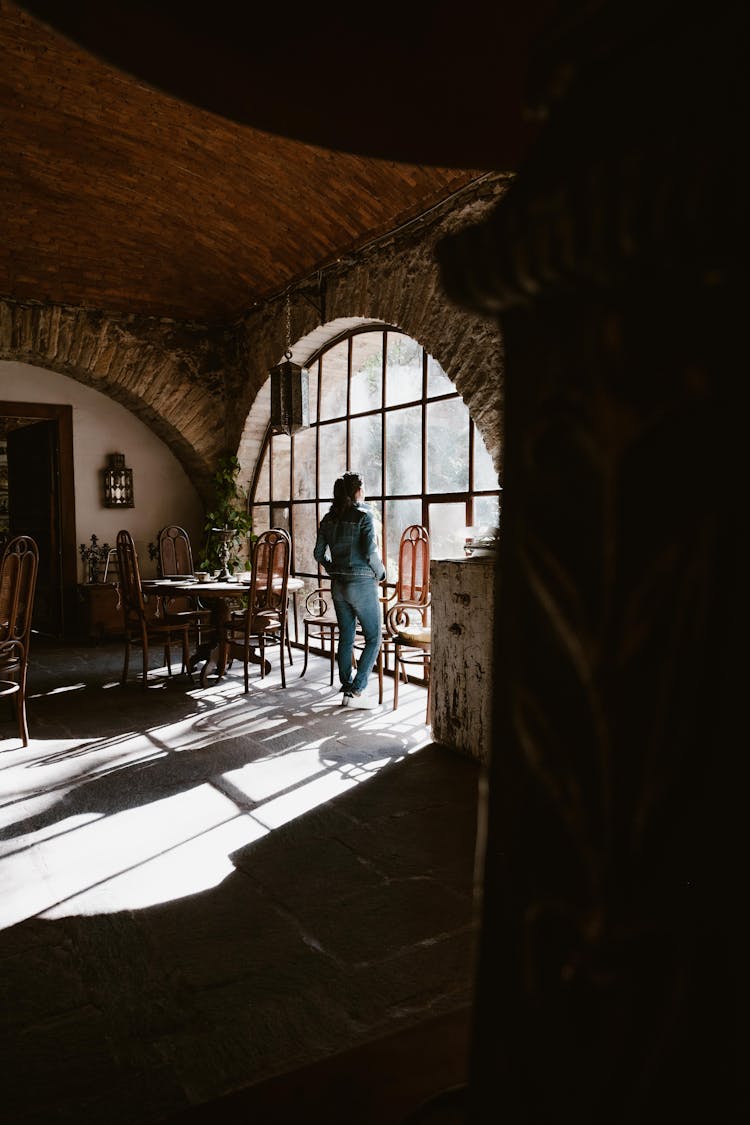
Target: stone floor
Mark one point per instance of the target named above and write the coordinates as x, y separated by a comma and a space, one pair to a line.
202, 890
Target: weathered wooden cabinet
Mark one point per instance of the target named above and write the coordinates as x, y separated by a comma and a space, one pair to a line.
100, 615
463, 616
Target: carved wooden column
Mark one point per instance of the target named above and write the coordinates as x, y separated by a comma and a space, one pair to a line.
611, 977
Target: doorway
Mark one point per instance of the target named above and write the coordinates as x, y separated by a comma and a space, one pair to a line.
37, 498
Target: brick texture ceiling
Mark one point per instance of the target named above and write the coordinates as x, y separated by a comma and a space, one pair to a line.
178, 179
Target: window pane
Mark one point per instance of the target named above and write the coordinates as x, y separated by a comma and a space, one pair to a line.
447, 531
447, 446
332, 456
312, 390
438, 382
280, 516
367, 371
484, 471
305, 531
403, 375
333, 373
281, 459
399, 515
304, 464
404, 445
260, 518
263, 490
367, 452
448, 427
486, 511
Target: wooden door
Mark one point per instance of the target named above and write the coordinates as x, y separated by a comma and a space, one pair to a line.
34, 509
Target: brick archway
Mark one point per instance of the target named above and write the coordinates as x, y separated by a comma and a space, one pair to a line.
396, 282
200, 389
170, 376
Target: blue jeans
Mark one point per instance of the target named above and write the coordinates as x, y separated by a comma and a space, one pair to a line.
356, 599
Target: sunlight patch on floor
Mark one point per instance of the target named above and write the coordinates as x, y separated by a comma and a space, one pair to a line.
99, 825
196, 865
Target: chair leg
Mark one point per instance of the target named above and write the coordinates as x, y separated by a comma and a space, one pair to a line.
23, 728
186, 654
333, 651
246, 668
168, 658
144, 678
282, 639
126, 665
380, 675
396, 675
307, 650
428, 676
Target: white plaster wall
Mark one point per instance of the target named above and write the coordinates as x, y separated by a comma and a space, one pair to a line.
163, 493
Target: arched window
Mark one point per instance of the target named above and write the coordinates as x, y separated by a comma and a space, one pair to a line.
380, 405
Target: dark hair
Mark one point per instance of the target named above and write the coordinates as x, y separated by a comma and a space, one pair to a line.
344, 491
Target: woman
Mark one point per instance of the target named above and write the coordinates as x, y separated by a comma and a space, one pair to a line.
347, 533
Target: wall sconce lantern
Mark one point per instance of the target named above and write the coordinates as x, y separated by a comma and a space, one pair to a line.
118, 483
290, 399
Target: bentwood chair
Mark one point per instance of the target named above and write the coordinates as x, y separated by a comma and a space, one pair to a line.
175, 552
320, 624
412, 644
176, 561
137, 626
18, 573
263, 621
407, 633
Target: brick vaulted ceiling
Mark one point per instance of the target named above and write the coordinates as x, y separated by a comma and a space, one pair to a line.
118, 195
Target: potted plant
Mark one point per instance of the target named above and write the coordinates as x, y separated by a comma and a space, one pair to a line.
230, 515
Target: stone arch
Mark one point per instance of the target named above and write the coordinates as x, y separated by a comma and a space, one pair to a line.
397, 282
256, 424
169, 375
196, 387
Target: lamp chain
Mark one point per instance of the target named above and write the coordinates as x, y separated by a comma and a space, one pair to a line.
288, 352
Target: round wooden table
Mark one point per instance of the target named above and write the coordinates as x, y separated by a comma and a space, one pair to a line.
218, 594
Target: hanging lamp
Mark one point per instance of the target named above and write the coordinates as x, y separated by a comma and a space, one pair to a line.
290, 401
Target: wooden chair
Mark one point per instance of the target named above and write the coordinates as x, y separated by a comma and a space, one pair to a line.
264, 618
175, 552
412, 644
320, 624
406, 631
18, 573
176, 561
136, 625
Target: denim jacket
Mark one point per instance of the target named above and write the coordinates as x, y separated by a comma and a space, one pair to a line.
350, 539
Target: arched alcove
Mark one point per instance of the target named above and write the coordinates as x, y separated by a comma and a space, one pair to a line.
382, 405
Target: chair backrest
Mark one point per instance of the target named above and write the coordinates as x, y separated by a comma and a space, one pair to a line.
175, 554
131, 593
272, 553
18, 572
413, 582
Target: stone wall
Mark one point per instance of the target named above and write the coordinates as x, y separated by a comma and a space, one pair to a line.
396, 282
170, 375
195, 386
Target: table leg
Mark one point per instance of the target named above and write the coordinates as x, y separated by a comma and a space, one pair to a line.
218, 652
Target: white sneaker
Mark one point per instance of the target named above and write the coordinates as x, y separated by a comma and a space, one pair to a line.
362, 702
